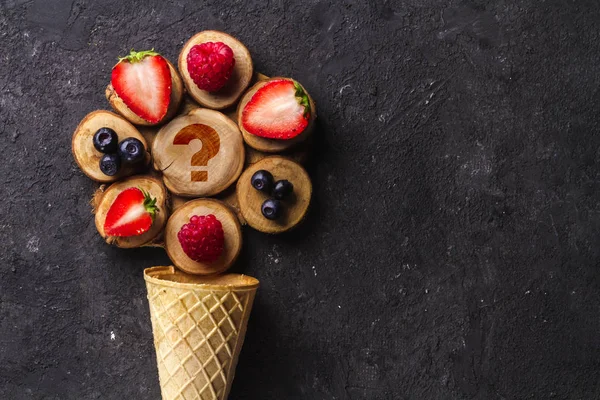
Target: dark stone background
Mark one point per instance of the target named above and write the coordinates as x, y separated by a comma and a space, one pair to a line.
452, 249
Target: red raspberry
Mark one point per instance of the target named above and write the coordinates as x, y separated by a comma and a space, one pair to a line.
202, 238
210, 65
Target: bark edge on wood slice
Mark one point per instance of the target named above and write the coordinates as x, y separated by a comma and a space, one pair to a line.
273, 145
104, 198
251, 200
176, 95
240, 76
182, 142
231, 228
86, 155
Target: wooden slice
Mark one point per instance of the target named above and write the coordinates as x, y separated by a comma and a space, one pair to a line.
200, 154
273, 145
176, 94
104, 199
240, 77
86, 155
231, 228
251, 200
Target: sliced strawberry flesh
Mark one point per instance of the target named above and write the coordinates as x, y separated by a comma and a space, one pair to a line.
144, 85
131, 213
275, 111
134, 221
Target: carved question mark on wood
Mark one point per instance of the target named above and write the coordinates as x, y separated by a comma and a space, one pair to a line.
222, 154
210, 147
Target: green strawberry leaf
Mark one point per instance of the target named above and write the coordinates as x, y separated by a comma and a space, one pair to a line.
137, 56
302, 99
149, 204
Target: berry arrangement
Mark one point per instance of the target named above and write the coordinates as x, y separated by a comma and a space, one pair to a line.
129, 151
263, 181
189, 156
161, 112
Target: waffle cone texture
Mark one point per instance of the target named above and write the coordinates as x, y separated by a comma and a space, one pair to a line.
199, 324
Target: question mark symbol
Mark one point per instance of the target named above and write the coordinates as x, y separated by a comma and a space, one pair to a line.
210, 147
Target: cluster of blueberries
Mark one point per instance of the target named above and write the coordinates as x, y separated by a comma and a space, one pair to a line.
128, 151
272, 208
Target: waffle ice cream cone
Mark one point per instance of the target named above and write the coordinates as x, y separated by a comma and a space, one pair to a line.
199, 324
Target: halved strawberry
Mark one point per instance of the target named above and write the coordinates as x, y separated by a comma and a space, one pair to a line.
131, 214
143, 81
278, 110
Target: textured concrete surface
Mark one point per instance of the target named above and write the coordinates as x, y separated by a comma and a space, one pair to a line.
452, 250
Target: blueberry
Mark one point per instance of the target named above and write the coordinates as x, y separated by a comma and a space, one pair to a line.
283, 189
131, 150
110, 164
262, 180
271, 209
106, 140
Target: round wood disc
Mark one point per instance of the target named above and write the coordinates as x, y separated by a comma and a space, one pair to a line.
240, 77
176, 94
273, 145
104, 200
86, 155
251, 200
200, 154
231, 229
